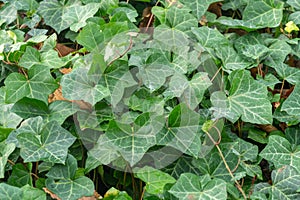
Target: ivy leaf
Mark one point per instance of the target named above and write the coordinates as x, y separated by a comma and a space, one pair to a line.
153, 69
279, 151
48, 142
183, 131
79, 85
38, 84
191, 186
172, 33
155, 179
6, 150
20, 175
79, 14
9, 192
133, 140
231, 59
198, 7
294, 3
95, 38
53, 12
30, 193
291, 104
285, 184
257, 14
57, 110
8, 119
190, 92
240, 154
290, 74
247, 98
117, 79
104, 151
62, 181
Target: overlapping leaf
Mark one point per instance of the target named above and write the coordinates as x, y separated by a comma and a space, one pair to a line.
291, 104
79, 85
191, 186
133, 140
183, 131
247, 98
155, 179
198, 7
6, 150
62, 181
285, 184
38, 84
189, 92
280, 151
257, 14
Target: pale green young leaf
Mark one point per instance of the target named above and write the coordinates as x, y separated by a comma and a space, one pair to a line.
280, 152
79, 85
155, 179
190, 92
6, 150
8, 119
191, 186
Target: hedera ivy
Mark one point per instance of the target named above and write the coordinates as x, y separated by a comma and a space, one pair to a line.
196, 106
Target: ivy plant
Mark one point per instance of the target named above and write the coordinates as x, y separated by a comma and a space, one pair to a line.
149, 99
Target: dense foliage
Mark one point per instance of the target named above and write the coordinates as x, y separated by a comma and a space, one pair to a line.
167, 99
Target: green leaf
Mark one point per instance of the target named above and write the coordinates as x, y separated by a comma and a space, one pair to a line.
291, 104
294, 3
79, 14
104, 151
53, 12
79, 85
247, 98
57, 110
153, 69
198, 7
8, 13
257, 14
114, 194
155, 179
62, 181
31, 193
133, 140
190, 186
20, 176
48, 142
285, 184
37, 84
95, 38
8, 192
279, 151
30, 57
189, 92
290, 74
183, 131
6, 150
8, 119
117, 79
